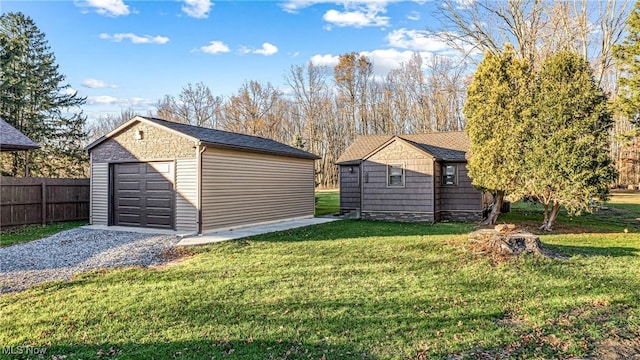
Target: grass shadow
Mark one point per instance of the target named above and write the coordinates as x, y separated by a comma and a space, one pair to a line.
209, 348
353, 229
611, 251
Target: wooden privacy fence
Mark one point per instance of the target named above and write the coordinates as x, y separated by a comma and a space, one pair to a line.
26, 201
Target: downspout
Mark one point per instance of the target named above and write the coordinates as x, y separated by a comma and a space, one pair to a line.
433, 179
361, 175
200, 149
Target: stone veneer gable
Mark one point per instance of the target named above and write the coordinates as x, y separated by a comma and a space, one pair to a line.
156, 144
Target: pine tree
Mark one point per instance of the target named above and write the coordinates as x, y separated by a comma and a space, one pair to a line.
497, 111
567, 161
35, 99
628, 59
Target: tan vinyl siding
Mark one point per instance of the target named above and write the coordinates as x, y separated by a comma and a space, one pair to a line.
186, 194
240, 188
461, 197
417, 193
349, 188
99, 194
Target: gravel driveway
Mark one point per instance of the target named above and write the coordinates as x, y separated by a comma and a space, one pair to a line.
60, 256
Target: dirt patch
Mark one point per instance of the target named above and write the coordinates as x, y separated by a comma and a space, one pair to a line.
505, 241
614, 349
173, 256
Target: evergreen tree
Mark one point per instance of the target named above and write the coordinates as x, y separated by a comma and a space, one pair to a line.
497, 111
567, 153
628, 59
35, 99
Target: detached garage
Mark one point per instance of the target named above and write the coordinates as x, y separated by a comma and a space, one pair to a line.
155, 173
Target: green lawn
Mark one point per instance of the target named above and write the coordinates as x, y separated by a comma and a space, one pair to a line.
327, 202
348, 289
34, 232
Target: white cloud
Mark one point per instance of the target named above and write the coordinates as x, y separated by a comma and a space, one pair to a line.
198, 9
355, 13
132, 102
102, 100
325, 60
136, 39
266, 50
385, 60
214, 47
96, 84
293, 6
361, 16
413, 16
106, 7
418, 40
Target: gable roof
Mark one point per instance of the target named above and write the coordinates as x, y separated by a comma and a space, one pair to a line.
444, 146
217, 138
11, 139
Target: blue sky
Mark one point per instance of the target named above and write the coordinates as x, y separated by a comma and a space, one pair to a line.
128, 54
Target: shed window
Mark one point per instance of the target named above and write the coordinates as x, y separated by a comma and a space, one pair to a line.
395, 175
449, 175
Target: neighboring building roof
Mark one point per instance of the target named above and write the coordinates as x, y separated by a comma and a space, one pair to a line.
445, 146
11, 139
218, 138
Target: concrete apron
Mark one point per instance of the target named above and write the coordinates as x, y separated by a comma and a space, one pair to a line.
237, 233
140, 230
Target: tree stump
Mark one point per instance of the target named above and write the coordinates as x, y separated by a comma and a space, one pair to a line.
504, 241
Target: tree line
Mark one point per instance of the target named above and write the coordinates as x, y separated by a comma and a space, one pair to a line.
322, 109
325, 108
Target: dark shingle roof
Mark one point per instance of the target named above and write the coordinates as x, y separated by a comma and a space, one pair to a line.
234, 140
11, 139
447, 146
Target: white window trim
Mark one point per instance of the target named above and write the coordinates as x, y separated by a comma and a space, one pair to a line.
404, 175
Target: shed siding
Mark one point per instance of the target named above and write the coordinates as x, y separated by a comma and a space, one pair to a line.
417, 194
349, 188
463, 196
240, 188
99, 194
186, 194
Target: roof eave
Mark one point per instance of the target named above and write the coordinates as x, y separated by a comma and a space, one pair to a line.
261, 151
349, 162
10, 147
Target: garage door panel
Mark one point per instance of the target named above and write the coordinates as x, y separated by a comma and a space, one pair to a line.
128, 185
128, 218
128, 169
160, 204
143, 194
156, 185
159, 221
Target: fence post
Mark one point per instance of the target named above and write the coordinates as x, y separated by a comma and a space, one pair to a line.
43, 186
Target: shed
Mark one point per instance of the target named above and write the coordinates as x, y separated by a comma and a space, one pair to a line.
13, 140
414, 177
155, 173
